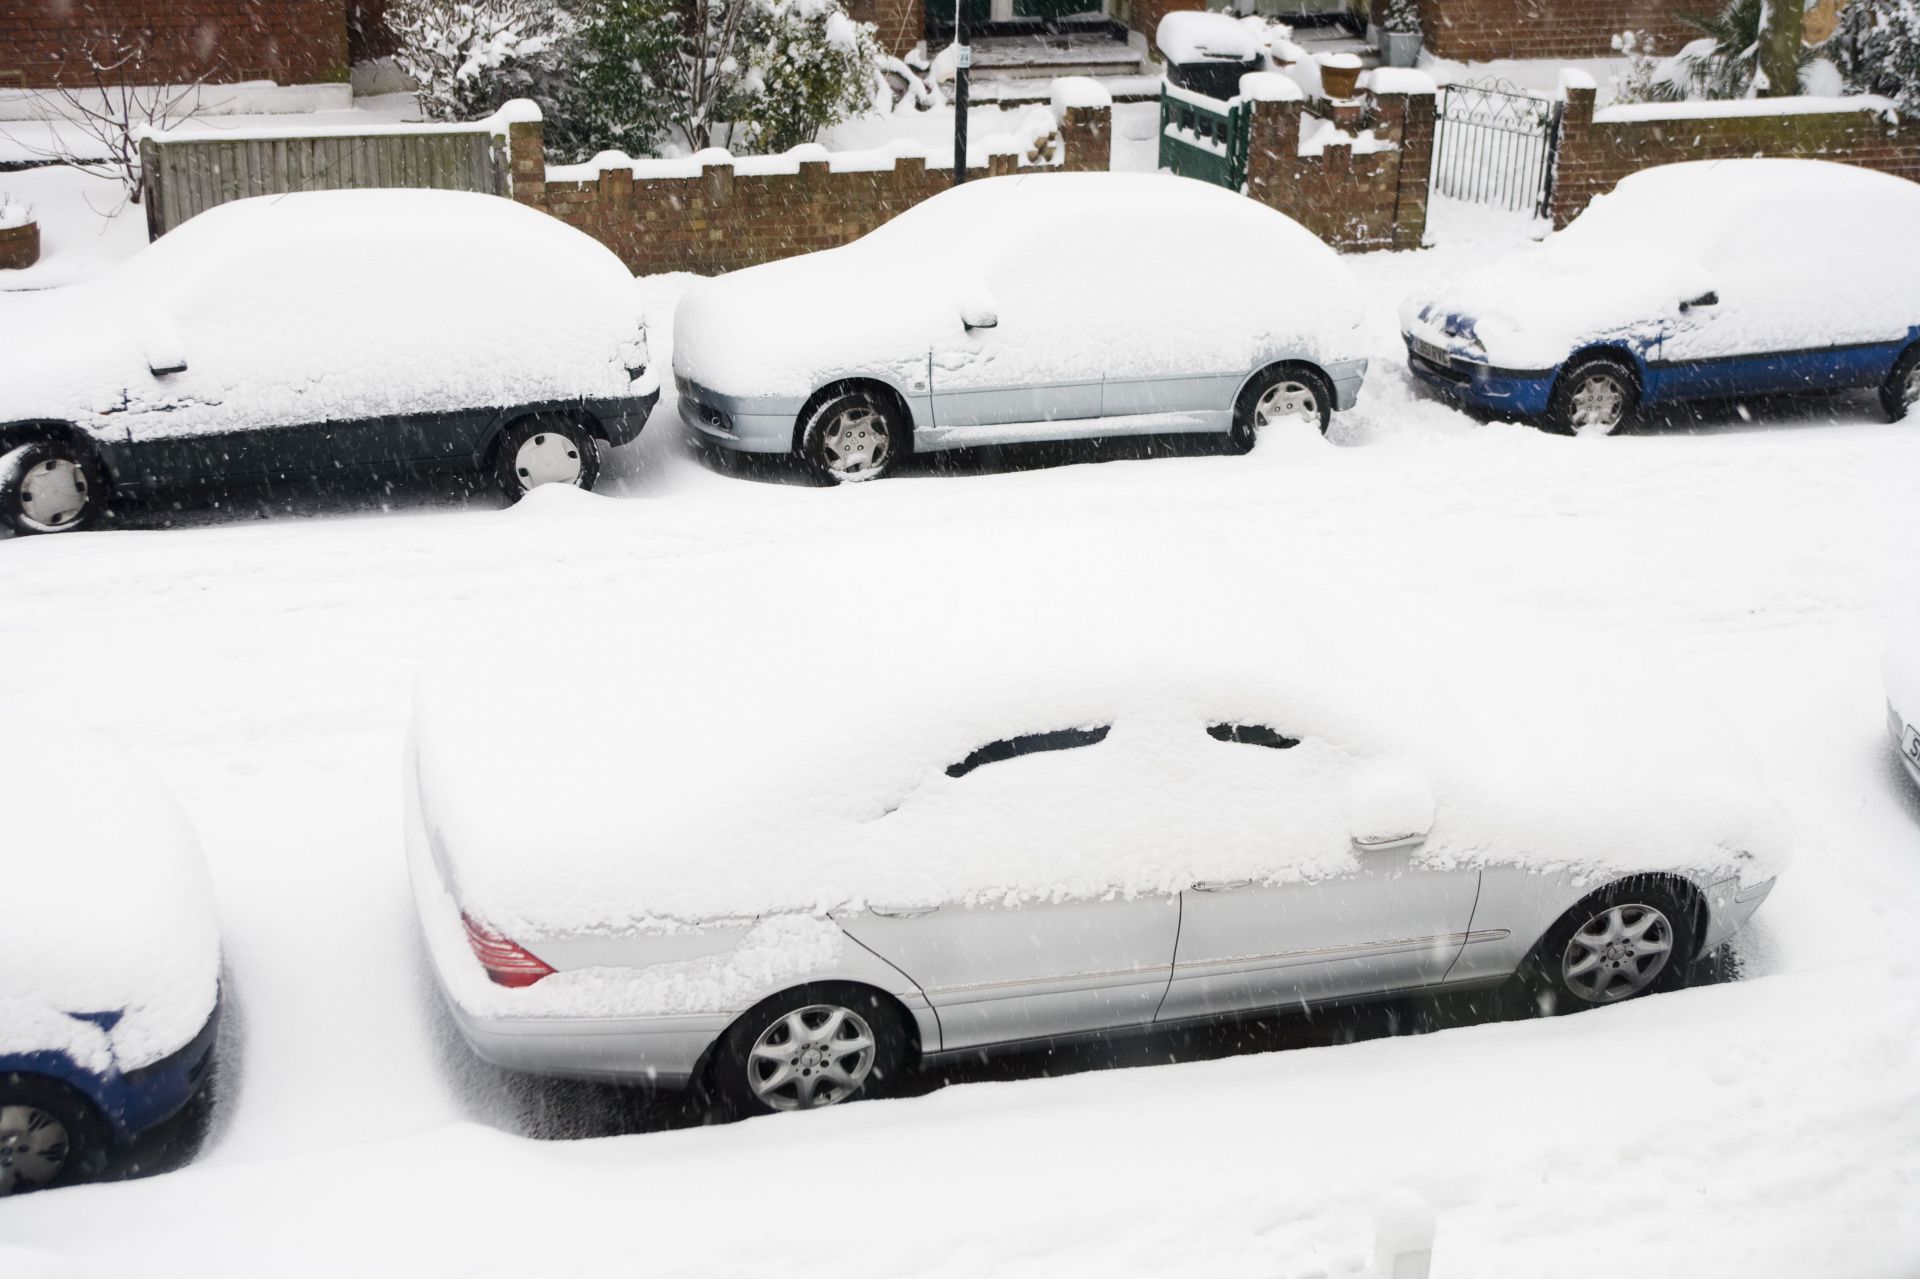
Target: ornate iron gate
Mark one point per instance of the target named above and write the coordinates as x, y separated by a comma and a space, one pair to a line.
1494, 144
1203, 138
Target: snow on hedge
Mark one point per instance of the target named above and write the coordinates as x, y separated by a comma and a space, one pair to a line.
1670, 234
109, 908
330, 305
14, 214
826, 779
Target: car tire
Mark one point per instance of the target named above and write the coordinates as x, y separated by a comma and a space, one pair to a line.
1597, 395
846, 1041
1603, 951
50, 486
1901, 391
1277, 394
852, 437
49, 1135
545, 449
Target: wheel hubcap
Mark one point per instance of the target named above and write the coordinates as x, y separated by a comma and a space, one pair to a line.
856, 442
54, 493
812, 1057
33, 1148
547, 458
1599, 403
1617, 953
1287, 400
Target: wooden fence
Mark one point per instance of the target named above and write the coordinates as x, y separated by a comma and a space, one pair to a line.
189, 170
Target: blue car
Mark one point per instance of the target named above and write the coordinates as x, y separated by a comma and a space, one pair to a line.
1708, 279
106, 1030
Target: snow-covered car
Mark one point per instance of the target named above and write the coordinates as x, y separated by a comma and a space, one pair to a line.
334, 334
1901, 673
1689, 281
1005, 310
799, 890
109, 959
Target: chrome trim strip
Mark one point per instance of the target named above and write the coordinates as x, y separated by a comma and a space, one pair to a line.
1153, 970
1362, 948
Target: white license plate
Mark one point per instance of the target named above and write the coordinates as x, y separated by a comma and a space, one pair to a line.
1910, 745
1428, 351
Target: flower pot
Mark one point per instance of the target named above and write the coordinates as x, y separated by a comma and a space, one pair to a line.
1339, 74
1400, 48
19, 246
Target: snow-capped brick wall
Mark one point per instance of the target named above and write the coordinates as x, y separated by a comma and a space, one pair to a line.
1364, 190
710, 214
43, 44
1483, 30
1597, 149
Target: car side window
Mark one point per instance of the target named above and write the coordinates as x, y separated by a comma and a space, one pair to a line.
1251, 735
1029, 744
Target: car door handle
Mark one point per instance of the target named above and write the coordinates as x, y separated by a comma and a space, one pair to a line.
1221, 885
901, 912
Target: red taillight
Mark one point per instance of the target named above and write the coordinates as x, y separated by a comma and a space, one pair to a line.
506, 961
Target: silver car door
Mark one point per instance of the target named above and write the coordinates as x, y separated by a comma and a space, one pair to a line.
1370, 920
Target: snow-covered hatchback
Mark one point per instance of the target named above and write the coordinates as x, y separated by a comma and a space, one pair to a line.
1005, 310
340, 334
795, 891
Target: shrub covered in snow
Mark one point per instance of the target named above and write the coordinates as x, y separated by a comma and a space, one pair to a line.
469, 56
805, 66
1401, 17
13, 213
616, 80
1877, 48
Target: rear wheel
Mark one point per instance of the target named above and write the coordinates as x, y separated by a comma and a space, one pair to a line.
1594, 396
851, 437
543, 450
1901, 391
808, 1048
49, 1135
1285, 393
1629, 939
50, 486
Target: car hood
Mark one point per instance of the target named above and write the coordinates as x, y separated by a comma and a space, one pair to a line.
1536, 306
67, 354
110, 910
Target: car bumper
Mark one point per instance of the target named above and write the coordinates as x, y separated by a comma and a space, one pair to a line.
1729, 907
1347, 377
662, 1051
745, 424
139, 1099
624, 418
1514, 392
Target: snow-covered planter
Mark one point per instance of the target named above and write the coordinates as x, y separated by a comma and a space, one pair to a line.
19, 236
1339, 74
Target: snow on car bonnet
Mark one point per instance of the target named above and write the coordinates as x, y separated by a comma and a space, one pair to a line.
1042, 737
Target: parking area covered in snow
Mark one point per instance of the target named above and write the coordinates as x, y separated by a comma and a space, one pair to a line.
259, 654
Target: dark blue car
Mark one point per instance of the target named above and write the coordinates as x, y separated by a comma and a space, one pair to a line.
1701, 280
106, 1030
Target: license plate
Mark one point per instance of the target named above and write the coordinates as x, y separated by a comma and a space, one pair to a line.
1428, 351
1910, 745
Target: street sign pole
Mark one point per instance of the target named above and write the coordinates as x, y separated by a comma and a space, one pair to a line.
962, 60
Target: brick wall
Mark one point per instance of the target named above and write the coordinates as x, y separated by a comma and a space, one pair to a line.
48, 42
1594, 155
1144, 15
367, 34
1483, 30
898, 24
1372, 200
721, 220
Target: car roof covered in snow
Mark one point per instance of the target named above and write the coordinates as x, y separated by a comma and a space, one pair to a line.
818, 757
109, 909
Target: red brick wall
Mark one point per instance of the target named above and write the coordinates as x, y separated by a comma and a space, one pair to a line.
1144, 15
1594, 156
1372, 201
48, 42
367, 34
1483, 30
898, 24
723, 221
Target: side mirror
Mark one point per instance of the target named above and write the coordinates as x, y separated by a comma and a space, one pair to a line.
979, 317
977, 310
1709, 298
1389, 806
164, 351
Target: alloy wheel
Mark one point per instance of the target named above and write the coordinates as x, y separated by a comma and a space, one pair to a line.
54, 494
1599, 403
547, 458
1287, 400
1618, 953
856, 442
811, 1057
33, 1148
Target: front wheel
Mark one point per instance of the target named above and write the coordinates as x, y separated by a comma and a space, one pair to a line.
49, 1135
808, 1048
1596, 396
542, 450
1629, 939
1285, 393
850, 438
1901, 391
50, 487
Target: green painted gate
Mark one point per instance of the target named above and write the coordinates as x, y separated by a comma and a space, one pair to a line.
1204, 138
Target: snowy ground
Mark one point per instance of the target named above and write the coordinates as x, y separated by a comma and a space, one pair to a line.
259, 656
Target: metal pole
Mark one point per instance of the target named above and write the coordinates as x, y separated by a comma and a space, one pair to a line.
963, 59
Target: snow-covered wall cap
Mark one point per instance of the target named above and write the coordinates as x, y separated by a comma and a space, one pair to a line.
1575, 78
518, 111
1269, 86
1339, 61
1401, 80
1193, 36
1639, 111
1078, 91
205, 129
